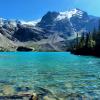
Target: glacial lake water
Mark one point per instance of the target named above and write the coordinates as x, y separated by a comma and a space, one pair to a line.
59, 72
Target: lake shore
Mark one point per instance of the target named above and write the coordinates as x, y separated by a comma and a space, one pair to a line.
86, 52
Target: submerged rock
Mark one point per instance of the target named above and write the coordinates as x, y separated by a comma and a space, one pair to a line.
48, 98
23, 96
78, 96
8, 90
15, 97
43, 91
6, 82
22, 89
34, 97
45, 94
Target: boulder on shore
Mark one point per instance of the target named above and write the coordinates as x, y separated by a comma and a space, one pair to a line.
21, 48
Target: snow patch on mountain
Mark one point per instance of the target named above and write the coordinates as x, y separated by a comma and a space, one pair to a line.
69, 14
10, 22
31, 23
14, 23
1, 21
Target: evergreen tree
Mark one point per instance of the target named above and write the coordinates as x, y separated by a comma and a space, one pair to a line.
77, 39
91, 41
87, 39
98, 36
99, 27
94, 33
82, 41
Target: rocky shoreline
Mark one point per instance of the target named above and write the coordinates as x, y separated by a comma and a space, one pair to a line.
86, 52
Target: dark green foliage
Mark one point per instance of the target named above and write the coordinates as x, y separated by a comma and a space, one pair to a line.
88, 44
77, 39
94, 33
99, 26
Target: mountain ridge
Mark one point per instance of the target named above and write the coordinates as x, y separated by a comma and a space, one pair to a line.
54, 30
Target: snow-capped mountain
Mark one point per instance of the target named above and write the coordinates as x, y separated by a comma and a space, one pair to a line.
30, 23
68, 22
54, 31
13, 23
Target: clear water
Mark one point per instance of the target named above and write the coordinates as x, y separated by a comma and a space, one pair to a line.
61, 73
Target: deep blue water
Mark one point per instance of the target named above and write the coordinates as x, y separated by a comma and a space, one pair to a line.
60, 72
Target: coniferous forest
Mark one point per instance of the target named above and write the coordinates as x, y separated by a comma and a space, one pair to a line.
88, 43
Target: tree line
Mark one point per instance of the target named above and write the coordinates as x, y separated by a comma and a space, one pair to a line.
88, 43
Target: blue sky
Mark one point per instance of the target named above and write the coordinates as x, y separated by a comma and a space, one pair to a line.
34, 9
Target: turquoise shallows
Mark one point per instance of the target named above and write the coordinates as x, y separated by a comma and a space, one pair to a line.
60, 72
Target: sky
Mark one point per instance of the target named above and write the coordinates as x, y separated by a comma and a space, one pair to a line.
35, 9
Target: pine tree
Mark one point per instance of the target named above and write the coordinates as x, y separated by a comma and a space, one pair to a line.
98, 36
82, 41
87, 39
94, 33
91, 41
99, 27
77, 39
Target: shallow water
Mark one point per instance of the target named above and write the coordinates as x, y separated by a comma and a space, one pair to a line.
59, 72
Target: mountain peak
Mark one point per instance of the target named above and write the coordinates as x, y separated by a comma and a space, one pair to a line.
68, 14
30, 23
77, 9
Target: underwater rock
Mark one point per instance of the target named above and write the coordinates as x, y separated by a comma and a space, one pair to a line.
15, 97
24, 89
6, 82
43, 91
8, 90
48, 98
11, 98
34, 97
45, 94
78, 96
25, 96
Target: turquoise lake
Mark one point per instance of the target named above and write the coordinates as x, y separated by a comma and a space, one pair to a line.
59, 72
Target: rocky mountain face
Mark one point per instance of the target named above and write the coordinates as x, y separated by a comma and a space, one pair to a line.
68, 22
54, 32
